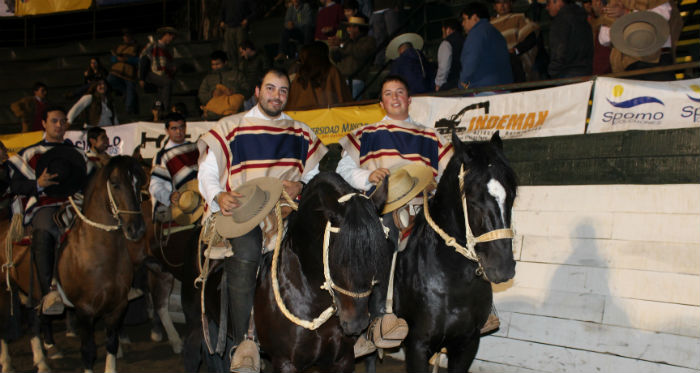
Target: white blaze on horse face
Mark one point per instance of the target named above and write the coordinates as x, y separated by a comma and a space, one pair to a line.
498, 192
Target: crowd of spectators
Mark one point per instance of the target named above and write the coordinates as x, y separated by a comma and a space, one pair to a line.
332, 49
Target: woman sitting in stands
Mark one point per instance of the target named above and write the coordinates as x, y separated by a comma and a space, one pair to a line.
318, 83
96, 107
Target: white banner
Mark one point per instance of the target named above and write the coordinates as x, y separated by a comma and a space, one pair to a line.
621, 105
540, 113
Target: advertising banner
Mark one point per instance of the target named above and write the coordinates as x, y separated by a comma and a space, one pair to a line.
333, 123
621, 105
33, 7
540, 113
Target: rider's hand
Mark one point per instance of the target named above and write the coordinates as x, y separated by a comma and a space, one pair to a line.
293, 188
378, 175
46, 179
174, 198
227, 201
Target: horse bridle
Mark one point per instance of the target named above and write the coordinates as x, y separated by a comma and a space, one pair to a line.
469, 251
114, 209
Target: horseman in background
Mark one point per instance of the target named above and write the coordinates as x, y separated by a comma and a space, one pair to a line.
173, 167
369, 155
263, 141
43, 185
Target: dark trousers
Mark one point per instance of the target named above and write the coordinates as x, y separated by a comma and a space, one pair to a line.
165, 89
241, 275
127, 88
377, 300
664, 60
45, 235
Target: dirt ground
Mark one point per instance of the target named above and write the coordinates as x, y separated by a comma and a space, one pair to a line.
142, 355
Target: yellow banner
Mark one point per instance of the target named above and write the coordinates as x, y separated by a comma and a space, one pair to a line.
332, 124
32, 7
17, 141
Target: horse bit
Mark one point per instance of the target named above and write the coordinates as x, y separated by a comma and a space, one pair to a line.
114, 209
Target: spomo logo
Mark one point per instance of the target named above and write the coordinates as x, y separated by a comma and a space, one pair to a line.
692, 111
627, 112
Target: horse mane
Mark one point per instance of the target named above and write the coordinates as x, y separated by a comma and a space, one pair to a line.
123, 162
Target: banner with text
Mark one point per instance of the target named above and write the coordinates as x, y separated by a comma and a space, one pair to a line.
333, 123
540, 113
621, 105
33, 7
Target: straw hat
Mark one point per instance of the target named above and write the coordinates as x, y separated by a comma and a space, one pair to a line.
639, 34
259, 197
405, 183
190, 206
392, 50
65, 161
166, 30
357, 21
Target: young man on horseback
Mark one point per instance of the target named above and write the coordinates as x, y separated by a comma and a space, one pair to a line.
369, 154
173, 166
99, 142
40, 208
263, 141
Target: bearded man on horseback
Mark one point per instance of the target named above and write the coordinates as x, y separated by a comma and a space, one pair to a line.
263, 141
42, 194
369, 155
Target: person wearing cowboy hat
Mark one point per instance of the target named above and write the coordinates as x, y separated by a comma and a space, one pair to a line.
262, 142
570, 40
353, 53
410, 63
44, 175
174, 166
157, 67
369, 155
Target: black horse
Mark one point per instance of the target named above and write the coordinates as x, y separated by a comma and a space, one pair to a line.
444, 296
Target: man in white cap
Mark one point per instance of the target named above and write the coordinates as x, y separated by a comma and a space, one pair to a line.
261, 142
368, 155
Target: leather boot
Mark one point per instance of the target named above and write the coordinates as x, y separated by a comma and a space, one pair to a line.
43, 246
241, 280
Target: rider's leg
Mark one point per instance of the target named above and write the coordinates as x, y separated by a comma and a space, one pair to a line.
44, 239
241, 274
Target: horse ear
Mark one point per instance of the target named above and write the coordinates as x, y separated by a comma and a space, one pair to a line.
496, 140
456, 142
380, 194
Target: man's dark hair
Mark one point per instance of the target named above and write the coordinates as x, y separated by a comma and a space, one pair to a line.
95, 132
173, 117
50, 108
480, 9
247, 44
393, 78
38, 85
276, 71
351, 4
452, 23
218, 55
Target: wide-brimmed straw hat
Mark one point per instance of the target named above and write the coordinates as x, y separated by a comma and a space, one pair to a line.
65, 161
639, 34
190, 206
357, 21
392, 50
259, 198
406, 183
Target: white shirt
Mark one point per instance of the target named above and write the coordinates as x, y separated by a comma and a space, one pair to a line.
208, 174
83, 103
444, 58
664, 10
161, 189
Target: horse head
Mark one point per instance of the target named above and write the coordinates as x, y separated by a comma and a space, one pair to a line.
357, 248
489, 188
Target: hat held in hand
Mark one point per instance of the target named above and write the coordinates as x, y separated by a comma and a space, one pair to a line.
70, 167
259, 197
639, 34
406, 183
190, 205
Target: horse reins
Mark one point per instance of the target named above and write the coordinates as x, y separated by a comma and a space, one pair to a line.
468, 252
114, 209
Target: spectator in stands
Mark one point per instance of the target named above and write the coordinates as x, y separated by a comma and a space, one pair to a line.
180, 108
222, 90
318, 83
355, 53
601, 53
122, 75
94, 72
351, 8
156, 66
384, 22
328, 21
298, 25
410, 63
236, 16
634, 52
521, 38
30, 109
485, 59
570, 40
99, 105
449, 65
253, 66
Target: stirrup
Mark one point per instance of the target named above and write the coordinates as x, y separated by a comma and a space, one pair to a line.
246, 358
387, 331
493, 323
363, 346
52, 304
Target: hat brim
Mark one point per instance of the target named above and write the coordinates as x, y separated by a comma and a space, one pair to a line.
66, 161
424, 176
181, 217
225, 225
617, 31
392, 50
